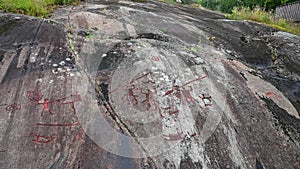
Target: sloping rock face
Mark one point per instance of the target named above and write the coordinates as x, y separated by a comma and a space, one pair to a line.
147, 85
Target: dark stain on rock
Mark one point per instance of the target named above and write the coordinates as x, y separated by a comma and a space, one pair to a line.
290, 88
149, 164
150, 36
125, 162
258, 165
6, 25
169, 164
238, 76
1, 55
288, 123
104, 91
114, 57
187, 163
243, 75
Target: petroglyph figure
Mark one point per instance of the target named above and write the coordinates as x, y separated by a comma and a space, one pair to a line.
45, 106
13, 107
43, 139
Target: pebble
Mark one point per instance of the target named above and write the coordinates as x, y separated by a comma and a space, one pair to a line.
228, 51
68, 59
104, 55
62, 63
32, 59
199, 61
55, 65
54, 71
39, 80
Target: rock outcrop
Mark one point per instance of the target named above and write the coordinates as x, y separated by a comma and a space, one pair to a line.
147, 85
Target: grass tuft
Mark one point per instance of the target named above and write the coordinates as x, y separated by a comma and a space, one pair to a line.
40, 8
262, 16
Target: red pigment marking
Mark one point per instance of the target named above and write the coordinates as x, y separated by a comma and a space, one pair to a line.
205, 98
58, 125
223, 61
191, 135
126, 87
185, 92
173, 137
60, 101
148, 98
170, 111
167, 108
138, 78
169, 92
187, 95
80, 135
131, 97
174, 112
13, 107
200, 78
34, 96
155, 58
74, 98
270, 94
45, 106
43, 139
178, 87
114, 90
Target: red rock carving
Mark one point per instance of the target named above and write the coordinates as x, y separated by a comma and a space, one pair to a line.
58, 125
43, 139
13, 107
173, 137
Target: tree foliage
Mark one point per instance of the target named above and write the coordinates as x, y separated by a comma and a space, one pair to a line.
227, 5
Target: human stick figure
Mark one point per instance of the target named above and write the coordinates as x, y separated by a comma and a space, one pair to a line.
45, 106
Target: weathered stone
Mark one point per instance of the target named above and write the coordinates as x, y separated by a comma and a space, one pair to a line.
147, 85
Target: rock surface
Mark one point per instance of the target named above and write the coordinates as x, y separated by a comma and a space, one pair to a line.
147, 85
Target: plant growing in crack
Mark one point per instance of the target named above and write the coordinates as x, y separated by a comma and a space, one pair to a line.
89, 34
70, 42
273, 55
196, 47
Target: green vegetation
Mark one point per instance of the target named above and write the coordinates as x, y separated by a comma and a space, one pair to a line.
227, 6
41, 8
139, 0
262, 16
256, 10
